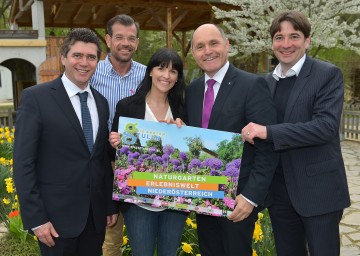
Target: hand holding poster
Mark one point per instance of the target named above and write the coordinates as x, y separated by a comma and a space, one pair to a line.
187, 168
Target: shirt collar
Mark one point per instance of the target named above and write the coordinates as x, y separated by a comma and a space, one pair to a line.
294, 70
219, 76
73, 89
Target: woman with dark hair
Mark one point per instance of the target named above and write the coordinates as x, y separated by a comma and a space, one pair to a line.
159, 97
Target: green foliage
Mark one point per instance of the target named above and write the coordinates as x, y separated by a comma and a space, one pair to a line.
151, 41
4, 13
4, 173
189, 237
16, 228
228, 151
348, 61
195, 146
6, 147
9, 206
265, 247
10, 246
155, 143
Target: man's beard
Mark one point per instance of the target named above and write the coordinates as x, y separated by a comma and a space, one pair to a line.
120, 58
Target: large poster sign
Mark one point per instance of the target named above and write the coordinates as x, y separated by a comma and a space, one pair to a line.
187, 168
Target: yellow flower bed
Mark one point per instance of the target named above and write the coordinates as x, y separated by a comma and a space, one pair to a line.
9, 205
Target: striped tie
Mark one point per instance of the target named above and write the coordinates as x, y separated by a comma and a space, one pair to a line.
86, 120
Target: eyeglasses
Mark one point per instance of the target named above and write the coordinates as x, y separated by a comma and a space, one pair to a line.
120, 38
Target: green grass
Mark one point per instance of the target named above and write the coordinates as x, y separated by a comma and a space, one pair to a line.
13, 246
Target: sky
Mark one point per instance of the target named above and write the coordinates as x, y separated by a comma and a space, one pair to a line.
171, 134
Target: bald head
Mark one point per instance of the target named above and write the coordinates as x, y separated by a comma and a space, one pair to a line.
210, 48
205, 27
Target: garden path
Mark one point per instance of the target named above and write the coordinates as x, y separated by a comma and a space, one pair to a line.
350, 223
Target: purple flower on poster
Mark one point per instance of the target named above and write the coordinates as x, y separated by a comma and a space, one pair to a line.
168, 149
124, 150
151, 150
165, 157
235, 163
159, 180
175, 161
229, 202
143, 156
159, 159
231, 171
183, 156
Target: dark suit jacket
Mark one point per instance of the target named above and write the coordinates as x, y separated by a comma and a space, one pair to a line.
309, 140
56, 177
242, 98
134, 107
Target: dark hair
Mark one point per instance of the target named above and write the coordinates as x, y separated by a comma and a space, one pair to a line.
122, 19
299, 21
80, 35
163, 57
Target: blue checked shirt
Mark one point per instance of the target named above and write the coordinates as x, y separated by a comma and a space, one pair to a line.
113, 86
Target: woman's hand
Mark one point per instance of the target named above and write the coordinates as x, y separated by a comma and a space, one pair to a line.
177, 121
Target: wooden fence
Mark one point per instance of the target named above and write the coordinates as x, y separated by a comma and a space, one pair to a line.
350, 123
7, 117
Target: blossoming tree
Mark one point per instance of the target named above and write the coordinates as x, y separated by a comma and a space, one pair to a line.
335, 23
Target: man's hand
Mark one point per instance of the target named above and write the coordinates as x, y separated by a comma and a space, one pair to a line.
252, 131
114, 139
111, 220
45, 234
242, 209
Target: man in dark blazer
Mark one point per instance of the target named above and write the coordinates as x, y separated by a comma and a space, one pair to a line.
239, 98
310, 187
63, 181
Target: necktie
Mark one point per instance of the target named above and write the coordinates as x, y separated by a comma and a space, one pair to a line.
208, 103
86, 120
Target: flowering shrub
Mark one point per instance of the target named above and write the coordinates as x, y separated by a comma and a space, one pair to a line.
9, 205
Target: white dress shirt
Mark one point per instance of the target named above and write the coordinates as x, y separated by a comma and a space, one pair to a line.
72, 91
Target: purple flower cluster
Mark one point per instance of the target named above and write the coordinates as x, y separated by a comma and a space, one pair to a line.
195, 163
213, 163
183, 156
168, 149
232, 169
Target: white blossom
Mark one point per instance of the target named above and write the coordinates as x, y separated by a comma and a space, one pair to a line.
334, 23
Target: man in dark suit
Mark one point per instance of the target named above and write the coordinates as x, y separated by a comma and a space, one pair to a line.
62, 174
238, 97
310, 187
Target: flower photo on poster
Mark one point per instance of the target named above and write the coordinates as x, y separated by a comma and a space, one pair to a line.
186, 168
